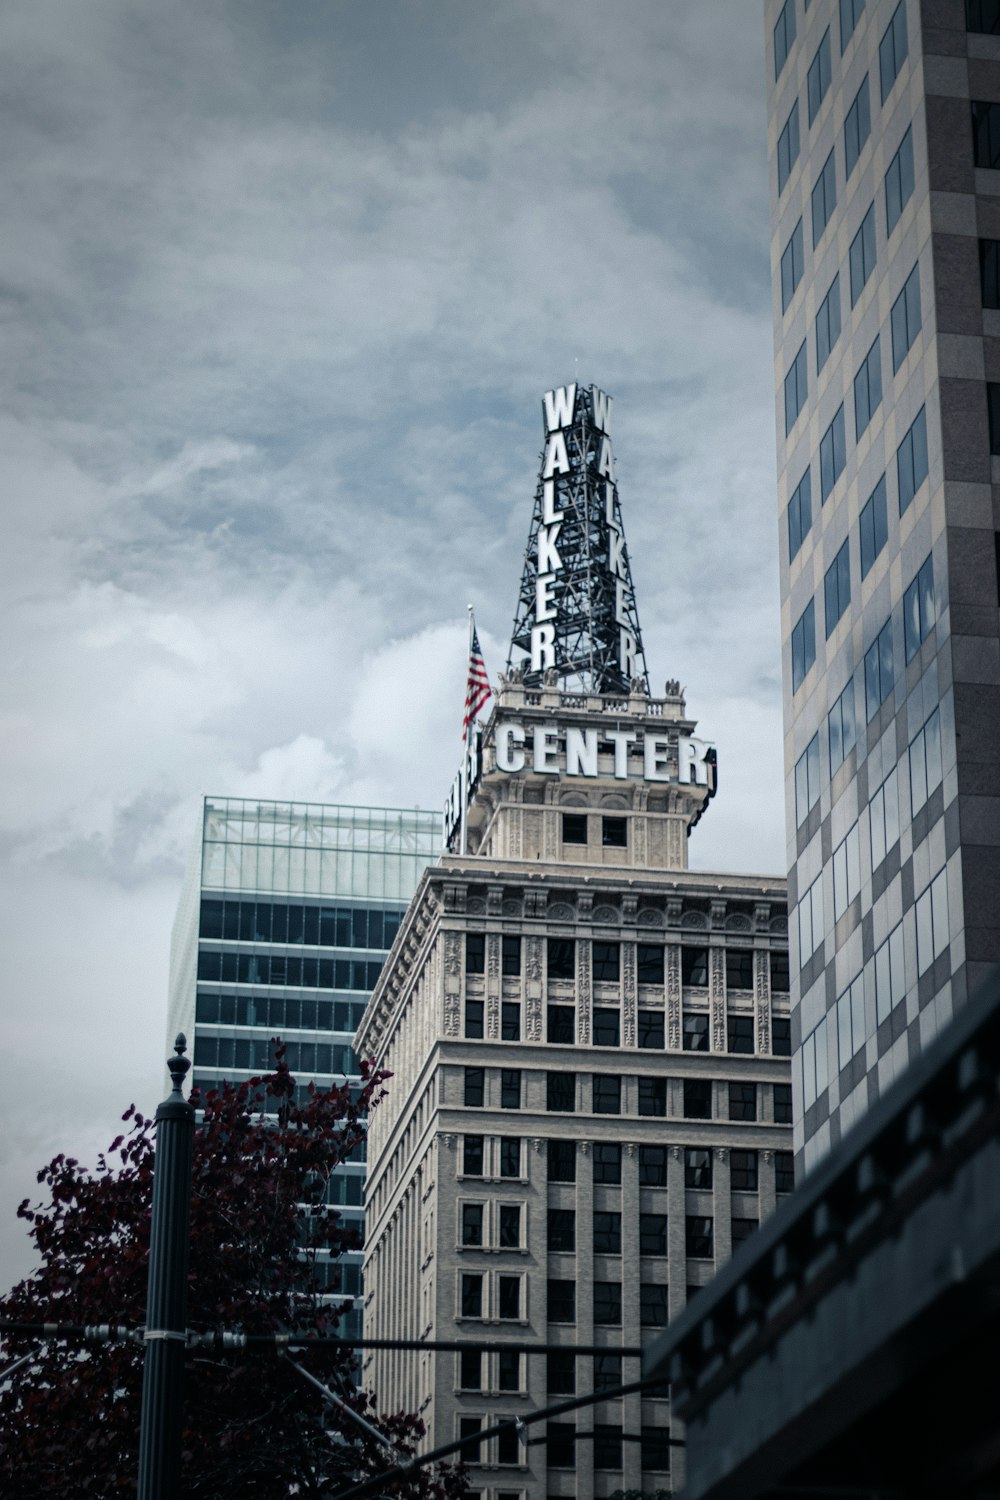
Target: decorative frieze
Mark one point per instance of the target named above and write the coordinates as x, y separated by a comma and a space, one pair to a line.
629, 994
672, 968
762, 999
584, 993
717, 995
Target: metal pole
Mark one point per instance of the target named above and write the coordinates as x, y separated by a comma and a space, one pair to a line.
166, 1301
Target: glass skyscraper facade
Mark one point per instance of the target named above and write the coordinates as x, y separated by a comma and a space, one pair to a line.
287, 914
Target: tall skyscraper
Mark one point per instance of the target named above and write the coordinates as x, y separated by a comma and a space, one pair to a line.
590, 1105
884, 141
286, 915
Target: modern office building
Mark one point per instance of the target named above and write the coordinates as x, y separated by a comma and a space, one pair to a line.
286, 916
884, 141
591, 1101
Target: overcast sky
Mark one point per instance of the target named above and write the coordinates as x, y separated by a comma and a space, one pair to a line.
281, 286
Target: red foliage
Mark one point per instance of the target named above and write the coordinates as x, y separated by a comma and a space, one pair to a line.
69, 1420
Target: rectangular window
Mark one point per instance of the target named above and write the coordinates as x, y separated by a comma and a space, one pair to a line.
560, 1445
474, 1018
739, 1034
472, 1223
649, 963
510, 1226
655, 1450
899, 181
561, 958
986, 133
608, 1302
837, 588
919, 608
607, 962
925, 762
890, 974
562, 1229
743, 1171
868, 388
824, 198
933, 933
698, 1236
782, 1103
781, 1036
508, 1297
983, 16
607, 1094
799, 514
784, 36
857, 127
832, 454
472, 1155
510, 1021
851, 1021
650, 1029
472, 1296
810, 919
828, 324
911, 460
784, 1172
803, 645
509, 1373
846, 873
743, 1101
607, 1025
993, 414
819, 75
883, 818
780, 972
511, 955
510, 1156
562, 1161
989, 272
695, 1031
739, 968
475, 1087
468, 1431
905, 318
652, 1234
574, 828
510, 1088
694, 967
562, 1301
863, 254
653, 1309
470, 1370
697, 1099
607, 1233
873, 527
607, 1372
607, 1162
560, 1373
614, 833
807, 781
560, 1092
892, 50
788, 148
879, 671
475, 952
653, 1097
796, 388
697, 1167
561, 1024
850, 15
742, 1229
792, 266
607, 1446
842, 732
652, 1166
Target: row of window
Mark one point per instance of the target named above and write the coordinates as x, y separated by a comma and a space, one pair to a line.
602, 1448
503, 1295
258, 1053
264, 1103
892, 51
504, 1368
607, 1163
650, 1024
279, 1013
272, 968
605, 961
293, 922
561, 1095
562, 1238
614, 831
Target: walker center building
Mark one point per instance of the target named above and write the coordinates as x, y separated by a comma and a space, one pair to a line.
591, 1103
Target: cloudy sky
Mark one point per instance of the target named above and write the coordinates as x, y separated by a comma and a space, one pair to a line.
282, 283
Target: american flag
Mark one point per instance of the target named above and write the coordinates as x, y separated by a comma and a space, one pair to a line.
478, 689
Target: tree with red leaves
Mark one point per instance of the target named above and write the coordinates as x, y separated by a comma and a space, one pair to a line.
69, 1417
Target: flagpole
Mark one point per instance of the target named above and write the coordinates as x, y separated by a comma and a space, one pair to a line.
463, 841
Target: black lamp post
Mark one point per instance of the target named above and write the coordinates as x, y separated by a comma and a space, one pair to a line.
166, 1300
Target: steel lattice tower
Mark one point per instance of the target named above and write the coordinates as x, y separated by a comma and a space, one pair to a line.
576, 613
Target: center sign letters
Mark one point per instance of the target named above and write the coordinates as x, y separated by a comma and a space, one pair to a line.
576, 752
